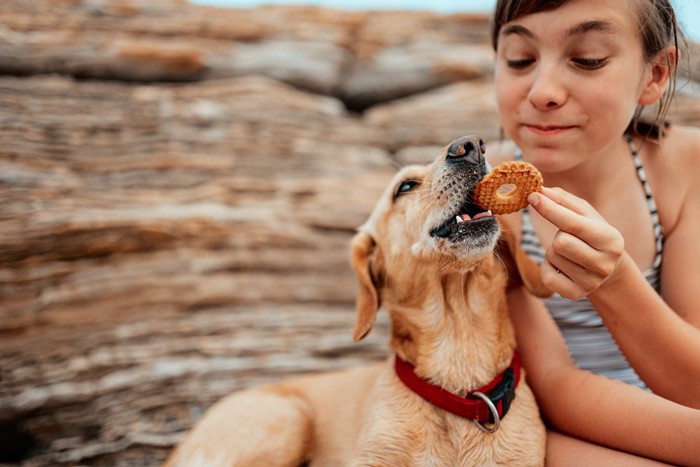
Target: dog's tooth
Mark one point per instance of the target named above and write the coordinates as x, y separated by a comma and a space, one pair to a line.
459, 219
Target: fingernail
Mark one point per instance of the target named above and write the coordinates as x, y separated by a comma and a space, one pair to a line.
533, 199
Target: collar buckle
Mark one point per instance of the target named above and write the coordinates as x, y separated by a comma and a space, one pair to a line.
503, 393
496, 423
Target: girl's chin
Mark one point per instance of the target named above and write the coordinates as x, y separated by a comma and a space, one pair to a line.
551, 160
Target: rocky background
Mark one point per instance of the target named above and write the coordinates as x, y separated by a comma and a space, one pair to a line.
178, 189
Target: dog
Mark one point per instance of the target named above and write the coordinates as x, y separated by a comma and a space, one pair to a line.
453, 393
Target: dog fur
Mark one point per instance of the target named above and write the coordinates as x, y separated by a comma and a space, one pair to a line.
446, 298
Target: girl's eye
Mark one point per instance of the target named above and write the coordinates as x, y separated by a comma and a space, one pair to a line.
405, 187
520, 64
590, 63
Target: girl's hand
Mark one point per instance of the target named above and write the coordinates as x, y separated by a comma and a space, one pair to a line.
585, 251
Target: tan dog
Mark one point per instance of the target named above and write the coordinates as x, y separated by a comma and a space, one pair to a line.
426, 254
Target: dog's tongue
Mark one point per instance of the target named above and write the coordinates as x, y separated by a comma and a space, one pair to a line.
466, 217
483, 214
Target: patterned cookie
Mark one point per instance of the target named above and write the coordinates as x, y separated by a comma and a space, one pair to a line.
518, 179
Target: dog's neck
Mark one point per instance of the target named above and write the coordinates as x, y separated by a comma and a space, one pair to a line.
465, 337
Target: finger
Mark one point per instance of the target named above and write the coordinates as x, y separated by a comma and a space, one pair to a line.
558, 282
590, 229
561, 216
563, 265
578, 252
585, 281
564, 199
570, 201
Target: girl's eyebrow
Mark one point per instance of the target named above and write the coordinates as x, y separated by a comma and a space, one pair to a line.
580, 28
517, 30
587, 26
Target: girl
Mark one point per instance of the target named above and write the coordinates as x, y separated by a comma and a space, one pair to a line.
572, 77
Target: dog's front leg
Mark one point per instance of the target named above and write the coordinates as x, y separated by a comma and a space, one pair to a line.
269, 426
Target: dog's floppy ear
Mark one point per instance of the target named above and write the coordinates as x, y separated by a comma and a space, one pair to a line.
521, 268
367, 304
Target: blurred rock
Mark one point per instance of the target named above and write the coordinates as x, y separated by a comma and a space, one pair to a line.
152, 206
348, 54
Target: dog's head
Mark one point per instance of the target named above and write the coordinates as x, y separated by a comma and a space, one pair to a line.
425, 228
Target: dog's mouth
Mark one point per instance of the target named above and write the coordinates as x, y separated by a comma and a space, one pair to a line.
462, 222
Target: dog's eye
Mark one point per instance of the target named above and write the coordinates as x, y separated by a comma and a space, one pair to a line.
405, 187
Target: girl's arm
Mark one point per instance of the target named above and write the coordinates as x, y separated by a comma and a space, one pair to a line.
659, 337
595, 408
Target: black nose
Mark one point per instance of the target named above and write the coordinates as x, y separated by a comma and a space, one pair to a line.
469, 149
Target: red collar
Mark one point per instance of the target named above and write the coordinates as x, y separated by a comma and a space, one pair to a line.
500, 391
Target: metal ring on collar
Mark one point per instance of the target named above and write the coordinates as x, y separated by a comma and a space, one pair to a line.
494, 411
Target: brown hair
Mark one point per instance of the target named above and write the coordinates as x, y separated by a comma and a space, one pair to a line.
658, 29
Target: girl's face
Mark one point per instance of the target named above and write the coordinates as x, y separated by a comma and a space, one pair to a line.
569, 80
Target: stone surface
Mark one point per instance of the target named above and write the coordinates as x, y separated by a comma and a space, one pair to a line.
179, 186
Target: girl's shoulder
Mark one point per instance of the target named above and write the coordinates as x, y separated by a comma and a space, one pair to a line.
677, 155
671, 167
682, 146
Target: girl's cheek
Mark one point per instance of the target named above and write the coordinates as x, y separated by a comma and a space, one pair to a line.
507, 96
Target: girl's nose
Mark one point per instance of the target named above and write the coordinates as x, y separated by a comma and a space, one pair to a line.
548, 89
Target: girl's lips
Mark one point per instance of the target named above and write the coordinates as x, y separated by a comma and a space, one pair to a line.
548, 129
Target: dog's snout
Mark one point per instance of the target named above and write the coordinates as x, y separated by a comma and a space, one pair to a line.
469, 149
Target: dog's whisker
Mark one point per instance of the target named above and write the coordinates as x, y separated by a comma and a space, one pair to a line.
496, 251
425, 186
500, 260
421, 198
425, 211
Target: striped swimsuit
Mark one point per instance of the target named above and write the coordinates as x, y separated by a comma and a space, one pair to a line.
590, 343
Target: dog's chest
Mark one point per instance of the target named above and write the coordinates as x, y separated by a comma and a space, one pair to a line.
404, 430
452, 443
429, 437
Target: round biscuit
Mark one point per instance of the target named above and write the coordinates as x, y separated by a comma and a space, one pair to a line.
524, 178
